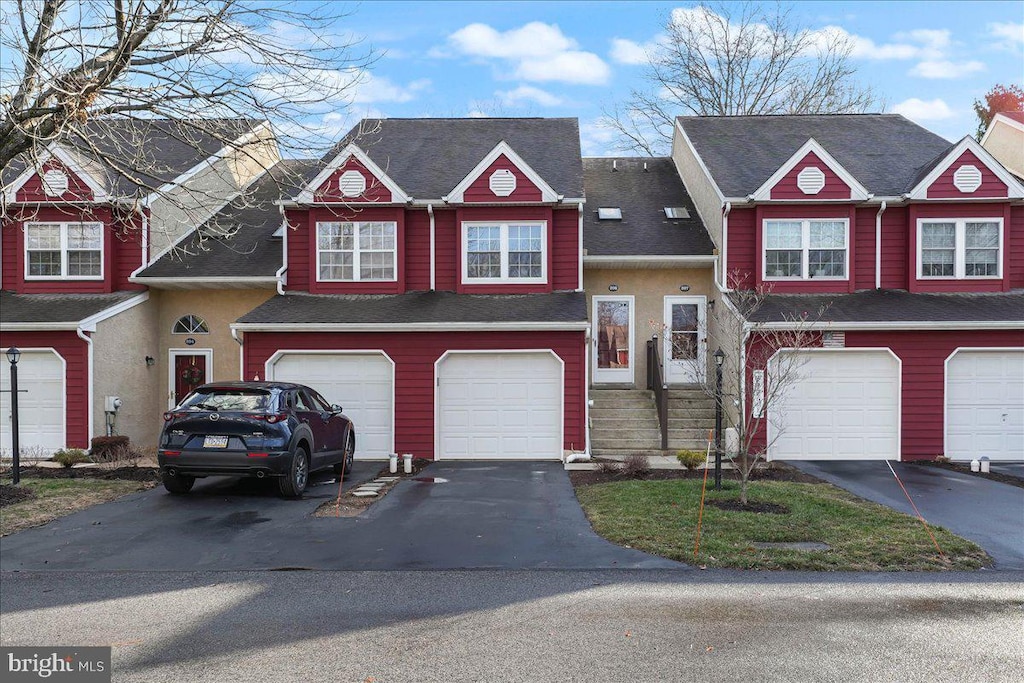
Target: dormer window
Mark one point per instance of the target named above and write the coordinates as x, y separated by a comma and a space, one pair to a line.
959, 248
504, 253
63, 251
356, 251
806, 249
609, 213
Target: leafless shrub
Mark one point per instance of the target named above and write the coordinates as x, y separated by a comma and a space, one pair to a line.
636, 466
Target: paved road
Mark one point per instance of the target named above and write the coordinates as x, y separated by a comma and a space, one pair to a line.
499, 626
509, 515
987, 512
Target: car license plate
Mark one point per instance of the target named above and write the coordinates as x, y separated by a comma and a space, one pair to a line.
215, 442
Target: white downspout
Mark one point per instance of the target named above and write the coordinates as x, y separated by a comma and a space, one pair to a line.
241, 354
144, 261
280, 274
724, 275
878, 246
580, 276
433, 283
88, 340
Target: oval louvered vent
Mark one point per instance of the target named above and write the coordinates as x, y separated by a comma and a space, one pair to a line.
811, 180
967, 178
55, 183
352, 183
503, 182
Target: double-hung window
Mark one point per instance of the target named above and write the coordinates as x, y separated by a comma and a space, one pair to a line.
806, 249
66, 251
504, 252
356, 251
959, 248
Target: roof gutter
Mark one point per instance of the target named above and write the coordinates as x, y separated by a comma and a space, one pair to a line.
674, 259
894, 325
414, 327
205, 282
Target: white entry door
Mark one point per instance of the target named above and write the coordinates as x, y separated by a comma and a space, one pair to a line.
613, 340
685, 347
502, 405
361, 383
985, 405
40, 405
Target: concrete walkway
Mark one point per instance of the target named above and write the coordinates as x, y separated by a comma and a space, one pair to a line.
987, 512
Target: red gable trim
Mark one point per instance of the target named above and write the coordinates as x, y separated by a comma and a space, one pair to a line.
469, 188
984, 162
945, 188
330, 190
801, 160
788, 187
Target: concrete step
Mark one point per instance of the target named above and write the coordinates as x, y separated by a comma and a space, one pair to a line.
691, 423
691, 414
688, 393
623, 414
680, 444
626, 444
687, 434
617, 423
619, 453
619, 393
634, 402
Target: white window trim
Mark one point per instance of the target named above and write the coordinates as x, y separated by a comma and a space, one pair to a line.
960, 253
805, 249
505, 279
355, 253
64, 251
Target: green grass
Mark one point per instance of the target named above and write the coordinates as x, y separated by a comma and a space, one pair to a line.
660, 517
58, 497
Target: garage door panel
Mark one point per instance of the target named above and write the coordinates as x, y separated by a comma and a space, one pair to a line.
843, 406
40, 404
361, 383
500, 405
985, 404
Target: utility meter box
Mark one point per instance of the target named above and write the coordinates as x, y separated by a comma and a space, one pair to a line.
112, 404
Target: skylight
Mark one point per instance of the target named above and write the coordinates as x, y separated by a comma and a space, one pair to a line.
609, 213
676, 212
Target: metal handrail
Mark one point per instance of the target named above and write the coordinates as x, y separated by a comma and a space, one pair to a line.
656, 384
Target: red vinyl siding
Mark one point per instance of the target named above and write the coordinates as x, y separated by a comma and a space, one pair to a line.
506, 214
1000, 210
299, 268
991, 185
1015, 248
480, 189
924, 355
417, 251
565, 243
375, 191
446, 250
895, 235
32, 190
742, 251
863, 239
799, 212
414, 355
76, 378
834, 188
122, 250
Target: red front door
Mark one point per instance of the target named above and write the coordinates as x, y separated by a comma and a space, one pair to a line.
189, 373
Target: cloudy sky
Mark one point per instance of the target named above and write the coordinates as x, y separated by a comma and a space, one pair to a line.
927, 60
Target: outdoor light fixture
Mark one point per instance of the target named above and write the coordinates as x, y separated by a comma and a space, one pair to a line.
711, 304
13, 355
719, 357
150, 361
613, 288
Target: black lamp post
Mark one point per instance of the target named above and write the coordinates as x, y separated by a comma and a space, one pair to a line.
13, 355
719, 360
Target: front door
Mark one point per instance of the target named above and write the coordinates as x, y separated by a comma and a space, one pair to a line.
189, 373
685, 346
613, 340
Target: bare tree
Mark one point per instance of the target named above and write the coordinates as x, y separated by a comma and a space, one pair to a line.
730, 59
750, 348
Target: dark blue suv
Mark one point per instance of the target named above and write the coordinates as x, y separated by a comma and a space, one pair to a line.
254, 429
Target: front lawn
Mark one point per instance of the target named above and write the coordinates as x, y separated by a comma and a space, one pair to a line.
55, 498
660, 517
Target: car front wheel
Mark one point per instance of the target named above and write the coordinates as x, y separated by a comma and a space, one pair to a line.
178, 483
294, 481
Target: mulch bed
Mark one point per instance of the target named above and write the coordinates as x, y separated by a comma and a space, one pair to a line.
965, 468
750, 506
9, 495
773, 472
107, 473
353, 506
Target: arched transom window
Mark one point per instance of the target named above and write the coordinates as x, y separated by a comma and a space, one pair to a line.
190, 324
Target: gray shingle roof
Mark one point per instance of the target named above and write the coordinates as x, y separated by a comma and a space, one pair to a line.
429, 157
894, 305
421, 307
237, 241
56, 308
642, 195
885, 152
142, 154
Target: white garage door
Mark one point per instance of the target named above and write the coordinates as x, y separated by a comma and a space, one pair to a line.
843, 405
362, 383
985, 405
500, 405
40, 404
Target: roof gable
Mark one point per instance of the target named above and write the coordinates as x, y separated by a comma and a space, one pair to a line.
326, 186
502, 175
61, 176
967, 165
811, 174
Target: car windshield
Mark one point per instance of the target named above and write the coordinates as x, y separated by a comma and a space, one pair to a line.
222, 400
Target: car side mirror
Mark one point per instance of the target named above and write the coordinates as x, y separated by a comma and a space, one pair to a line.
335, 408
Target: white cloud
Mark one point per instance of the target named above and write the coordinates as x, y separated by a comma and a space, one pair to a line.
597, 138
528, 93
627, 52
921, 110
372, 89
917, 44
946, 69
317, 88
1009, 35
535, 51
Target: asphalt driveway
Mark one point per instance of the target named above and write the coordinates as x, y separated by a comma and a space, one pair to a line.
508, 515
987, 512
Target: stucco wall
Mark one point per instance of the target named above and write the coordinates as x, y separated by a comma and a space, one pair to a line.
649, 287
185, 207
219, 308
703, 193
120, 347
1007, 145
